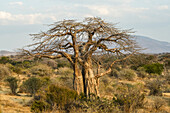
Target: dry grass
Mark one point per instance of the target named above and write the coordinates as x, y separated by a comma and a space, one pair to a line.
10, 105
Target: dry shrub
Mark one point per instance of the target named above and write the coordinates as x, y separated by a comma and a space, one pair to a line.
41, 70
167, 78
13, 84
157, 104
66, 78
66, 71
52, 63
53, 97
129, 97
141, 72
32, 85
105, 86
128, 74
155, 87
114, 73
4, 71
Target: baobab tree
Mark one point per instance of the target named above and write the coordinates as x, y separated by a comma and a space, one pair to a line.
78, 42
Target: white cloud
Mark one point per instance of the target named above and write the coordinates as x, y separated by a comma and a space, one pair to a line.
16, 3
102, 10
5, 15
135, 10
163, 7
7, 18
114, 11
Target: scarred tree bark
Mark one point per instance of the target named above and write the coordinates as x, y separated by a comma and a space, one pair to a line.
78, 80
90, 81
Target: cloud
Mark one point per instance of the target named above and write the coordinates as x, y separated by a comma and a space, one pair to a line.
16, 3
7, 18
163, 7
102, 10
114, 11
5, 15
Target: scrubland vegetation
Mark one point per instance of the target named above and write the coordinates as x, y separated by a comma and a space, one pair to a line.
140, 84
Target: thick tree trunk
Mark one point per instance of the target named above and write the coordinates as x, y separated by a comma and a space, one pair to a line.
78, 80
90, 82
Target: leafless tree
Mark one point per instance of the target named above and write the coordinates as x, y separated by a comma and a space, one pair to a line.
78, 42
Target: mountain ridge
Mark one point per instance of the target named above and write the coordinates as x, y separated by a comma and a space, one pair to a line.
152, 45
7, 53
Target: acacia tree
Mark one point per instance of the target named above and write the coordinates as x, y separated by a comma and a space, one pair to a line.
78, 42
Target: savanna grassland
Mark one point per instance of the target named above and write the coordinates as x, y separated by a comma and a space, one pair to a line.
139, 84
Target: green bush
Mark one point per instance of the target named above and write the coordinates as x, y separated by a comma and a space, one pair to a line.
4, 60
16, 69
32, 85
41, 70
12, 83
4, 71
128, 74
156, 68
53, 95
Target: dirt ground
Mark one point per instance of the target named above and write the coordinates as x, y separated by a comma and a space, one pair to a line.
11, 103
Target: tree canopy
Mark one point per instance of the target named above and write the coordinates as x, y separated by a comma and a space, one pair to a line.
78, 42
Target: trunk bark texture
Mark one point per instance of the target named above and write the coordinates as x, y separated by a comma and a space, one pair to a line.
90, 82
78, 80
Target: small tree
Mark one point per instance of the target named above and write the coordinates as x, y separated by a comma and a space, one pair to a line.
12, 82
32, 85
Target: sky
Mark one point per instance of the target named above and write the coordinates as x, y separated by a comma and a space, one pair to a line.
19, 18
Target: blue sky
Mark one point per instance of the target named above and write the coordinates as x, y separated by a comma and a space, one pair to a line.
19, 18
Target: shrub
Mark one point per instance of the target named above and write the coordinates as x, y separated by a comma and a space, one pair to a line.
94, 105
41, 70
16, 69
156, 68
128, 74
4, 71
53, 95
12, 82
63, 63
65, 71
129, 97
155, 87
52, 63
4, 60
158, 104
45, 81
167, 78
114, 73
27, 64
32, 85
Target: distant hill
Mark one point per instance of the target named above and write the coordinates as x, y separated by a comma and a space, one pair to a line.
7, 53
152, 45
